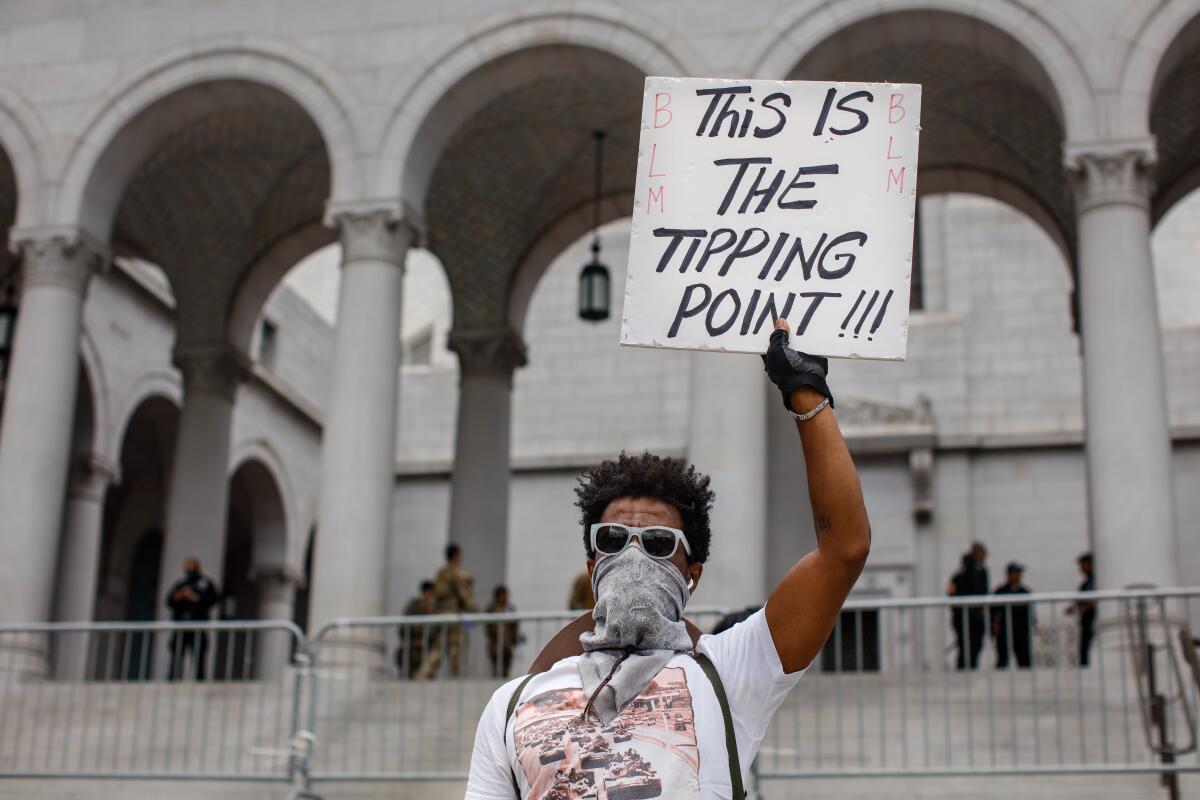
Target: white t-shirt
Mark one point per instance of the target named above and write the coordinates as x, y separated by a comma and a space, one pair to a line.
669, 742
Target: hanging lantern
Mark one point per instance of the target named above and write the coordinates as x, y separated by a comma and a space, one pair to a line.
594, 289
595, 286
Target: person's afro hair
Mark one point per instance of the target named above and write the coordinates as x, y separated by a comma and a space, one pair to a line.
671, 480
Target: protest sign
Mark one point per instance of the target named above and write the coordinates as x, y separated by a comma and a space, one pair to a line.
760, 199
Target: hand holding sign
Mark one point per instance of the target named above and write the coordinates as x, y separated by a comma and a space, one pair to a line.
799, 376
759, 200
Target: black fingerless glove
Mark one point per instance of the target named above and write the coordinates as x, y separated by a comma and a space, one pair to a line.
791, 370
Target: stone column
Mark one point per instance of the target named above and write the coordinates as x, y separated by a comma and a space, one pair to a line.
479, 488
198, 495
1125, 400
728, 441
36, 430
358, 459
79, 560
276, 595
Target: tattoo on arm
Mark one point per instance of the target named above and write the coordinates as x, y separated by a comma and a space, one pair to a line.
822, 523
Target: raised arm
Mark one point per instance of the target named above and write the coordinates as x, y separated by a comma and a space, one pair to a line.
804, 607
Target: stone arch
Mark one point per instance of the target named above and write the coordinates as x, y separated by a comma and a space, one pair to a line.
261, 279
256, 534
272, 503
288, 69
1159, 41
551, 243
430, 110
1044, 36
21, 131
1174, 114
992, 114
134, 508
212, 165
22, 176
505, 171
998, 187
163, 384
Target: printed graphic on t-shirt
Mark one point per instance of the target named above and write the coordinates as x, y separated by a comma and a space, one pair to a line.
649, 750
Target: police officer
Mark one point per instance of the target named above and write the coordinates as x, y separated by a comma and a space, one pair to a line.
1012, 625
968, 621
454, 590
190, 600
1085, 609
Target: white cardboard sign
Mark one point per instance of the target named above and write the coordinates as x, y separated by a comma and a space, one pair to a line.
758, 199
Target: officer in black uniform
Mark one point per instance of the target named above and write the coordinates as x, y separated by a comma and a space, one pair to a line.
968, 622
190, 600
1085, 610
1017, 615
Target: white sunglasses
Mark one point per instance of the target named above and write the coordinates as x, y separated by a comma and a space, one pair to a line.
656, 541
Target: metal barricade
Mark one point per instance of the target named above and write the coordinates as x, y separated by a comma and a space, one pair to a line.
889, 696
214, 700
398, 698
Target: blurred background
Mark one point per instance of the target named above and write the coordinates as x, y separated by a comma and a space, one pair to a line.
307, 291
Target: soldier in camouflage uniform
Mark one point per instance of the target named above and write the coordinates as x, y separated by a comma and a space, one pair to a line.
453, 588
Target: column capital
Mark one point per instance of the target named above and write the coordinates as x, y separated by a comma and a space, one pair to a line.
91, 475
1108, 173
493, 351
215, 370
372, 231
57, 256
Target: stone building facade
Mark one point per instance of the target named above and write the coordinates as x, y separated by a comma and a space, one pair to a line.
1050, 403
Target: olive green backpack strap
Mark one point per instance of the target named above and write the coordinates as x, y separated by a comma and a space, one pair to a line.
735, 764
512, 707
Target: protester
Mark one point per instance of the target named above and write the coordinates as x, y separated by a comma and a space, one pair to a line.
415, 640
646, 534
581, 597
501, 636
968, 622
190, 599
1085, 609
455, 594
1012, 624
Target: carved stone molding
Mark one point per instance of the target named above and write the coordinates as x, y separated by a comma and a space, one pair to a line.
91, 475
872, 426
855, 412
374, 234
489, 351
1112, 177
215, 371
65, 258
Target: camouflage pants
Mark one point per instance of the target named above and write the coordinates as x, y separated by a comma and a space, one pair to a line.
455, 639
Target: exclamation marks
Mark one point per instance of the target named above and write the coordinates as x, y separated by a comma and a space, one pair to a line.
879, 317
862, 320
862, 293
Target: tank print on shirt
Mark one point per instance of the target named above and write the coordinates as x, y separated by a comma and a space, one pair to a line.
648, 751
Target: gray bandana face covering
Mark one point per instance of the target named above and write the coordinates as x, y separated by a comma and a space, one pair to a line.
639, 610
